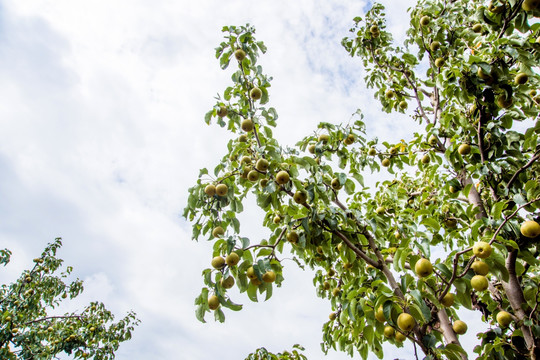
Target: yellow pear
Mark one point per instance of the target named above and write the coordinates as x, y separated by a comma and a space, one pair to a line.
222, 189
210, 190
213, 302
406, 322
530, 229
459, 327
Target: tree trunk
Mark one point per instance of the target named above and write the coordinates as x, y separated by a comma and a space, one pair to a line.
515, 296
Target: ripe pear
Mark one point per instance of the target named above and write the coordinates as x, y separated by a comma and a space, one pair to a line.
385, 162
459, 327
483, 75
232, 259
349, 140
255, 93
262, 165
439, 62
240, 54
336, 185
282, 177
250, 273
292, 236
218, 231
218, 262
423, 267
435, 45
389, 331
521, 79
245, 160
405, 322
480, 268
389, 94
227, 283
222, 189
464, 149
311, 148
247, 125
530, 5
451, 223
448, 300
276, 219
222, 111
263, 182
331, 272
210, 190
403, 105
479, 282
504, 319
482, 249
213, 302
300, 197
324, 138
504, 102
379, 315
530, 229
242, 138
425, 20
399, 337
372, 152
426, 159
253, 175
269, 277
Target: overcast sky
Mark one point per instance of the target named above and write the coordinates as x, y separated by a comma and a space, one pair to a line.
102, 134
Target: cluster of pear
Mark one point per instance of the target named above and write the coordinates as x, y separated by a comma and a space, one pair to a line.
231, 260
405, 323
323, 139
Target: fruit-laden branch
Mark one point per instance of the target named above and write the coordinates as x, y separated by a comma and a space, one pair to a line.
409, 81
496, 233
356, 250
78, 317
381, 265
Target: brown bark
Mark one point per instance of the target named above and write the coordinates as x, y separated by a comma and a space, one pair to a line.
450, 336
515, 296
475, 199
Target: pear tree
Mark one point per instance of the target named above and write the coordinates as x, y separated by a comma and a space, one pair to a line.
455, 229
31, 326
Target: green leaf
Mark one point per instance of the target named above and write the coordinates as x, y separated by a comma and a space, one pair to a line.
252, 292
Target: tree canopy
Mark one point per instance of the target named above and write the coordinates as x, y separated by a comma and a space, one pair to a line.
28, 330
457, 228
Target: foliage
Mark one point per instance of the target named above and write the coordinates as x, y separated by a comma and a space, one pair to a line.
28, 331
263, 354
469, 70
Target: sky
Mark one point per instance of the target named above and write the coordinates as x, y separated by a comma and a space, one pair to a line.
102, 134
